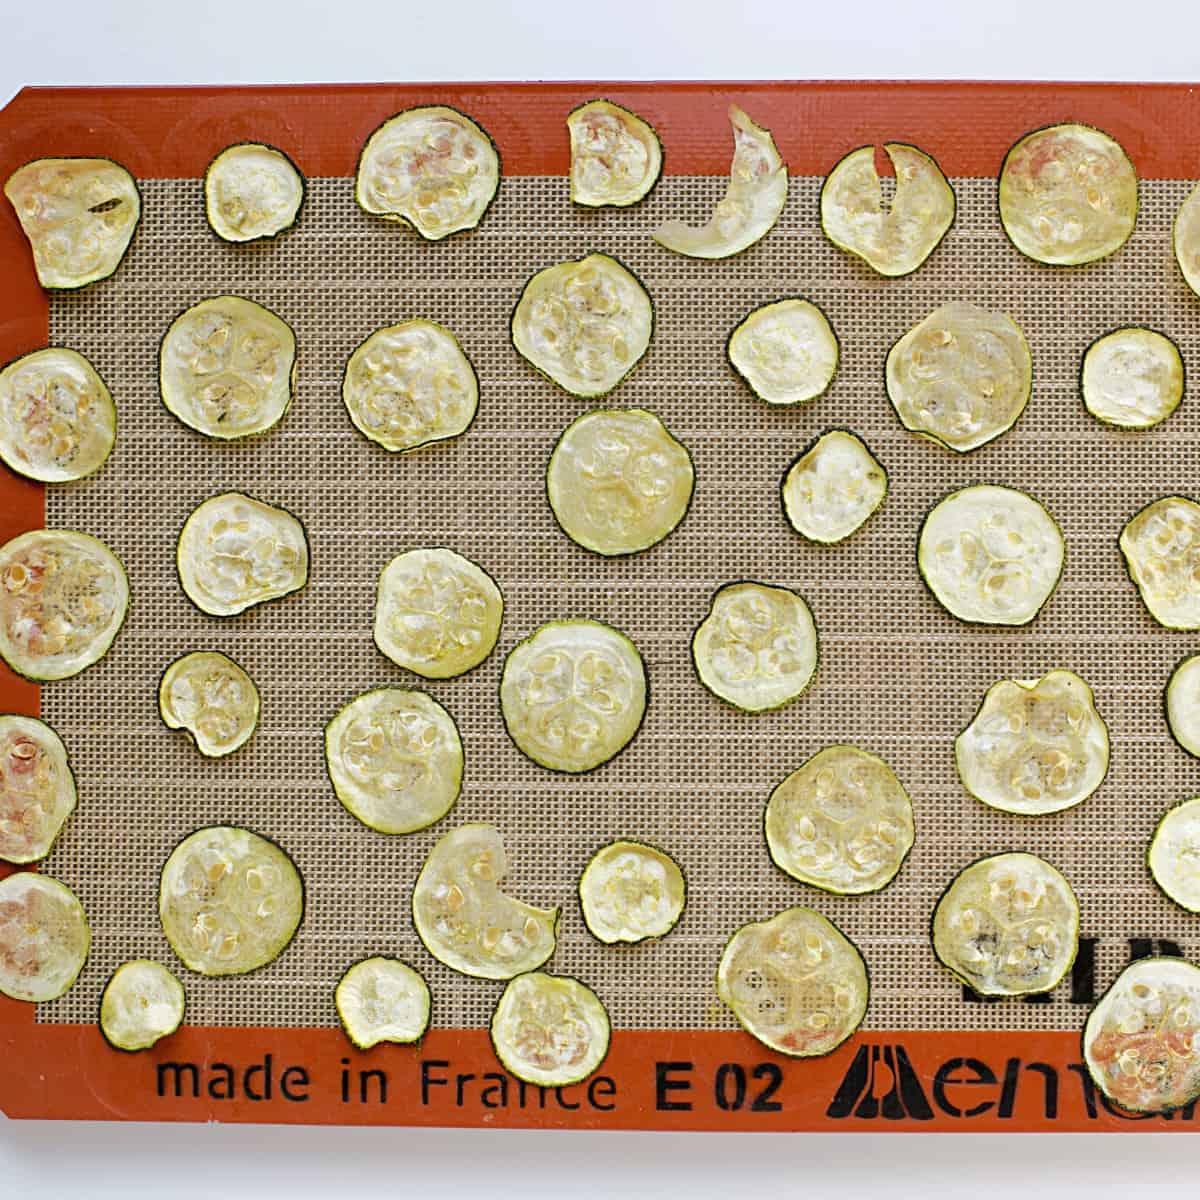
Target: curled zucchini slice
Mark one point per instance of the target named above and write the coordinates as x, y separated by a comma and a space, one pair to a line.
786, 352
616, 157
213, 698
630, 892
833, 487
1132, 378
1007, 925
1182, 704
466, 921
757, 192
618, 482
795, 982
1187, 239
1068, 195
44, 938
383, 1000
79, 215
892, 238
252, 191
142, 1003
1161, 545
1174, 855
37, 788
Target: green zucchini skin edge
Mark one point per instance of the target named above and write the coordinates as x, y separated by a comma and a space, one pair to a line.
1133, 329
1129, 572
74, 784
191, 737
649, 937
1146, 858
162, 1038
662, 156
887, 484
1183, 662
837, 341
415, 1042
266, 237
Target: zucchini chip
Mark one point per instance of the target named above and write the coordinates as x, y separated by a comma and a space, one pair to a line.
437, 613
618, 482
1068, 195
1161, 545
757, 649
842, 822
213, 698
786, 352
1141, 1042
432, 169
757, 192
1182, 704
1132, 378
630, 892
1174, 855
142, 1004
892, 238
252, 191
79, 215
990, 555
584, 324
1035, 746
37, 788
63, 599
795, 982
229, 900
383, 1000
235, 552
616, 157
463, 918
1187, 239
573, 694
833, 487
58, 422
44, 938
1007, 926
395, 760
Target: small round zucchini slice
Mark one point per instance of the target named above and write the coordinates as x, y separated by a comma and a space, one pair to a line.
757, 192
383, 1000
432, 169
630, 892
795, 982
142, 1004
618, 482
892, 238
573, 694
1161, 545
1182, 704
44, 938
1035, 746
1187, 239
1174, 855
79, 215
1141, 1042
833, 487
616, 157
1068, 195
786, 352
63, 599
584, 324
37, 788
235, 552
252, 191
1132, 378
213, 698
757, 648
229, 900
466, 921
1007, 925
395, 760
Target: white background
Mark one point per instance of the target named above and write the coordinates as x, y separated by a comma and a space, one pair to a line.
238, 41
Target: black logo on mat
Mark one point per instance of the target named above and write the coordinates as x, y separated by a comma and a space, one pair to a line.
894, 1093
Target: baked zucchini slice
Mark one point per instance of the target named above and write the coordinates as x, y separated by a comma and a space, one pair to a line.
79, 215
37, 788
463, 918
432, 169
630, 892
757, 192
1068, 195
252, 191
573, 694
550, 1030
1132, 378
1141, 1042
213, 698
1181, 702
1187, 239
1174, 855
831, 489
63, 599
395, 760
1007, 925
142, 1003
757, 648
44, 938
616, 157
1035, 746
235, 552
794, 982
891, 238
383, 1000
787, 352
1161, 545
618, 482
229, 900
584, 324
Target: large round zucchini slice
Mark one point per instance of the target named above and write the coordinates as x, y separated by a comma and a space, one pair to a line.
252, 191
1161, 545
584, 324
786, 352
142, 1003
573, 694
795, 982
1007, 925
1132, 378
432, 169
1174, 855
235, 552
757, 192
79, 215
1141, 1042
44, 938
616, 157
549, 1030
1068, 195
1187, 239
1035, 746
395, 759
892, 238
1182, 704
383, 1000
630, 892
63, 599
618, 482
213, 698
37, 788
466, 921
831, 489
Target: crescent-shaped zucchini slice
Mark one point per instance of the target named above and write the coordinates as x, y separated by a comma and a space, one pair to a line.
831, 489
252, 191
44, 938
1161, 545
787, 352
37, 788
1182, 704
142, 1003
1132, 378
383, 1000
630, 892
616, 157
1187, 239
213, 698
1174, 855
